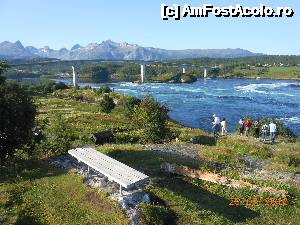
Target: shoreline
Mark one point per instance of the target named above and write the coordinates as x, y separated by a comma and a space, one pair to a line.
153, 82
261, 78
171, 119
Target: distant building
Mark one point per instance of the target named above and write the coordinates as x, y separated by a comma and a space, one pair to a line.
183, 70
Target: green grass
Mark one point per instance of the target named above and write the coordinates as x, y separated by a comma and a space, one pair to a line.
34, 193
274, 72
286, 158
86, 118
191, 201
291, 72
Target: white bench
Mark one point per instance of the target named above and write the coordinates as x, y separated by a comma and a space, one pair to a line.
114, 170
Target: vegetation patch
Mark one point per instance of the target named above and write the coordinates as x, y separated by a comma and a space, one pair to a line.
32, 192
38, 194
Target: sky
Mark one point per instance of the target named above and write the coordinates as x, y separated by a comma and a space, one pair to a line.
64, 23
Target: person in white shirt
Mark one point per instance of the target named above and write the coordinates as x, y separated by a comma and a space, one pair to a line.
241, 126
272, 127
224, 127
216, 124
264, 129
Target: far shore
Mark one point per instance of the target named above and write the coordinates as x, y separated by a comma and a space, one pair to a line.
158, 82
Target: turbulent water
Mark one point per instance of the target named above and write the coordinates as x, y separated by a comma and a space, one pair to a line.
194, 104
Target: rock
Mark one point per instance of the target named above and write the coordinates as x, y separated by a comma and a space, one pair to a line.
97, 182
146, 198
133, 199
135, 216
101, 138
67, 164
168, 167
251, 162
282, 177
56, 164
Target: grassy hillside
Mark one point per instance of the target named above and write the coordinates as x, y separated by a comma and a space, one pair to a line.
32, 192
274, 72
275, 67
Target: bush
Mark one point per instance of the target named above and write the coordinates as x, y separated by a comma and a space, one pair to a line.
107, 104
186, 78
60, 86
128, 105
102, 90
294, 161
50, 86
87, 87
151, 118
124, 138
47, 86
58, 136
203, 140
17, 113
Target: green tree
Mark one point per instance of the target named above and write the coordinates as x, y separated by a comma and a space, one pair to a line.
58, 136
99, 73
128, 105
107, 104
102, 90
215, 72
151, 117
3, 67
17, 114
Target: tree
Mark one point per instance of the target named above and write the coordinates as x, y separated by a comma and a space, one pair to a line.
3, 67
151, 118
215, 71
107, 104
17, 114
59, 136
128, 105
97, 72
102, 90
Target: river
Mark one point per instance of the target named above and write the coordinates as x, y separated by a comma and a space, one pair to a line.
194, 104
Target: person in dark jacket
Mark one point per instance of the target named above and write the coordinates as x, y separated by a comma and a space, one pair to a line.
256, 129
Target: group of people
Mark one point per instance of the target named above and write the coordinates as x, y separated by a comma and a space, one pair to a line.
258, 127
220, 126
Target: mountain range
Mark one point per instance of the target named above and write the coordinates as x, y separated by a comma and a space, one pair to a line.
109, 50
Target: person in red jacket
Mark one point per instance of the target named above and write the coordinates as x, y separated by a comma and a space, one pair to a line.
248, 125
